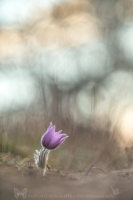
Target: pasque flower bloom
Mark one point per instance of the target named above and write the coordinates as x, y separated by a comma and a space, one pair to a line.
49, 141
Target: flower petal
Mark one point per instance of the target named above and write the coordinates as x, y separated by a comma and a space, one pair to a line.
57, 140
46, 138
57, 137
58, 132
59, 143
51, 125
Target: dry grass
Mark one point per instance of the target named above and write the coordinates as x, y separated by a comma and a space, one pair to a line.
21, 134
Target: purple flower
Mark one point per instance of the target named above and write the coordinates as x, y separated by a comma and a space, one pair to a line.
51, 139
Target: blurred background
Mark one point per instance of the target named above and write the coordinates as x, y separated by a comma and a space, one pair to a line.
69, 62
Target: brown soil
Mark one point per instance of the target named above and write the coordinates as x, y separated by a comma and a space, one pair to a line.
93, 183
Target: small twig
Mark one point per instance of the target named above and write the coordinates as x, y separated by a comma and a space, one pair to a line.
89, 170
49, 167
17, 165
101, 169
92, 167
